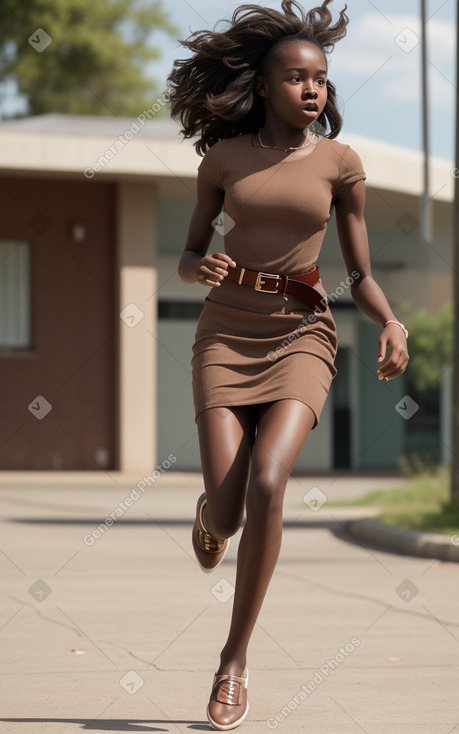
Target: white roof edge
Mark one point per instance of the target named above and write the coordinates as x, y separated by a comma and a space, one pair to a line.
27, 147
384, 147
394, 167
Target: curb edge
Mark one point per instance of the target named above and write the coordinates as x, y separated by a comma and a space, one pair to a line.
405, 542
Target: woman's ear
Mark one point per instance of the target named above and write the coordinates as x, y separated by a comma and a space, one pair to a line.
261, 86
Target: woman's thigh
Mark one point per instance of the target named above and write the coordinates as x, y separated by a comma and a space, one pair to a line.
226, 438
282, 429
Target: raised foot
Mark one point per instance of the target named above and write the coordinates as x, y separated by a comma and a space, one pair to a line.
209, 551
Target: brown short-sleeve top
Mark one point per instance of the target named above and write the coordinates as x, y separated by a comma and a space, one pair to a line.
278, 211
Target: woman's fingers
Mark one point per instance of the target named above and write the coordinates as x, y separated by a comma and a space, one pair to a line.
398, 358
223, 256
214, 268
214, 276
395, 365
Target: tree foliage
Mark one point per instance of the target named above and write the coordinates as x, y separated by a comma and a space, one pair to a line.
430, 346
95, 63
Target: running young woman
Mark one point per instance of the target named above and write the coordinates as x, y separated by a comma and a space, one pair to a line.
263, 356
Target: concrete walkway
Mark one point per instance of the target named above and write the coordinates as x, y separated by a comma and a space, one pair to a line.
107, 623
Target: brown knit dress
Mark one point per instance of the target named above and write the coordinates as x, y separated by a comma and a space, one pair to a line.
252, 347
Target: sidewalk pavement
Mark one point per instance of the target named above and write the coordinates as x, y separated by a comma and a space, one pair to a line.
108, 624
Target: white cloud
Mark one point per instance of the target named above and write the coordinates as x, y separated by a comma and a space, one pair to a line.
381, 59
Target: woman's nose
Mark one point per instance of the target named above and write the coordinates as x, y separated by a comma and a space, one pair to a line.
310, 90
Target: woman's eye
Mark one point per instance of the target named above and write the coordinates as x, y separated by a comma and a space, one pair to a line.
320, 81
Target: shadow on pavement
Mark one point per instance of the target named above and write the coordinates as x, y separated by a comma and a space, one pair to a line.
118, 724
337, 527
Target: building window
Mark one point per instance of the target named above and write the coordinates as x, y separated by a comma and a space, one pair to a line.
181, 310
15, 294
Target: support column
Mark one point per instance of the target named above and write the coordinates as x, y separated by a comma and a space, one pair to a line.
136, 227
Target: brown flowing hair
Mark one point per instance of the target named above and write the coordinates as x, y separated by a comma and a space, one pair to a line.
212, 93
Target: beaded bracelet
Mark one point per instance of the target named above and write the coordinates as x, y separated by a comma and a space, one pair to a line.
399, 323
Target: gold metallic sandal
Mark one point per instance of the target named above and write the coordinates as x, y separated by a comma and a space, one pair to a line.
228, 705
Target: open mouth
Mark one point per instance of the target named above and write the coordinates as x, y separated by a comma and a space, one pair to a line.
311, 111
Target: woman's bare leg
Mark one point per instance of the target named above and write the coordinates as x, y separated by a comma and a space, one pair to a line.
226, 437
282, 430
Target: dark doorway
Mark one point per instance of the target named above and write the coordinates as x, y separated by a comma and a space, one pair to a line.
342, 410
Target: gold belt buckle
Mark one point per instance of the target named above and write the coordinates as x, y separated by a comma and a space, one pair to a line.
260, 282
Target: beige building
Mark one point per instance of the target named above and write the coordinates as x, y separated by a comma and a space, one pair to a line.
96, 327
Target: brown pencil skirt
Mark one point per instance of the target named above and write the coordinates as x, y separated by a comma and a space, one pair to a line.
252, 348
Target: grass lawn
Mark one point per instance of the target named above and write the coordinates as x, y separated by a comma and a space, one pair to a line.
419, 505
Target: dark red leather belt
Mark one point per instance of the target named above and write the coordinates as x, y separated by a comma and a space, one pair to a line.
299, 286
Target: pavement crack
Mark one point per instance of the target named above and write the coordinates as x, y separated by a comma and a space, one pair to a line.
363, 597
132, 654
69, 626
41, 614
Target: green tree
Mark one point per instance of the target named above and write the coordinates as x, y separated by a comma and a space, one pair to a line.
430, 346
85, 57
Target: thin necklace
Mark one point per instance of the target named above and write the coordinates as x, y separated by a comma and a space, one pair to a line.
276, 147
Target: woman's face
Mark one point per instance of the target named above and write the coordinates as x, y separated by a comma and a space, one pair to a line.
294, 83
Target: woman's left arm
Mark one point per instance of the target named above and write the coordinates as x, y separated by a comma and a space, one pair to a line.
368, 296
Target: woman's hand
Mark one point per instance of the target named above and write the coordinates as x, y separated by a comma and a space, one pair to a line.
214, 268
393, 337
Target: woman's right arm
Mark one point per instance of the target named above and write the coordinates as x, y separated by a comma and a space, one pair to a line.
195, 266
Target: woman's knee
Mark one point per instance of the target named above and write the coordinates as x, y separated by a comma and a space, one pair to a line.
222, 522
266, 493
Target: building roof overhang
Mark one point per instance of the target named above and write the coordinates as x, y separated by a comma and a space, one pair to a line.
117, 148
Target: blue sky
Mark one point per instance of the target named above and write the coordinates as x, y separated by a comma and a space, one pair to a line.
376, 68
